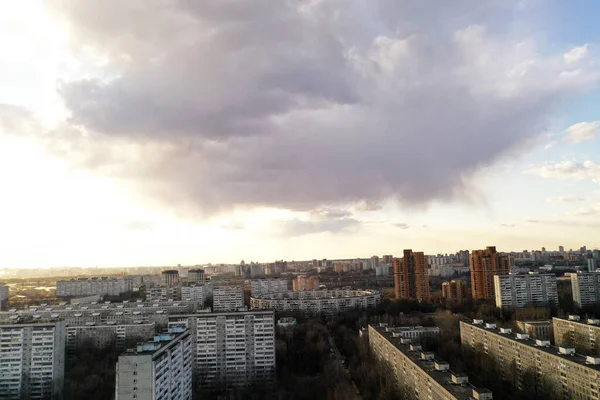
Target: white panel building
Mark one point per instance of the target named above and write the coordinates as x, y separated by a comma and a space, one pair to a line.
228, 298
586, 288
3, 296
103, 286
523, 290
157, 370
263, 286
32, 359
103, 335
231, 349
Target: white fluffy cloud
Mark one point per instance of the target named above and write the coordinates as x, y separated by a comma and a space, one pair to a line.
576, 54
568, 170
582, 131
299, 105
565, 199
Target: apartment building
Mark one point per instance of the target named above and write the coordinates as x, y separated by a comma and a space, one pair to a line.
163, 293
413, 332
586, 288
169, 277
103, 335
103, 286
525, 290
584, 335
411, 276
231, 349
484, 265
263, 286
228, 298
317, 302
32, 359
303, 283
537, 329
196, 276
455, 291
535, 363
4, 292
419, 374
160, 369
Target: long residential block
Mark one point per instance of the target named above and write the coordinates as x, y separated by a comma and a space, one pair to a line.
525, 290
586, 288
583, 335
419, 374
535, 363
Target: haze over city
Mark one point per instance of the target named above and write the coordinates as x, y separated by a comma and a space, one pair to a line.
163, 133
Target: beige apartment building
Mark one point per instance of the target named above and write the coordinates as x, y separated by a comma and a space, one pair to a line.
419, 374
527, 362
583, 335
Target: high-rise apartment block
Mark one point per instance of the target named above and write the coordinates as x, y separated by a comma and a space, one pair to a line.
484, 265
586, 288
196, 292
411, 276
228, 298
160, 369
592, 264
557, 371
264, 286
196, 276
419, 374
374, 262
32, 359
455, 290
231, 349
4, 291
302, 282
170, 277
108, 334
584, 336
525, 290
104, 286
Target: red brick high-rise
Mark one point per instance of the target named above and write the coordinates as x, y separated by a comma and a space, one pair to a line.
484, 265
411, 276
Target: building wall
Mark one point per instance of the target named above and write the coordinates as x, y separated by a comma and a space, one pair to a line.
484, 265
4, 293
518, 291
537, 329
411, 276
103, 336
32, 361
586, 288
79, 287
317, 302
306, 283
262, 286
455, 290
585, 337
228, 298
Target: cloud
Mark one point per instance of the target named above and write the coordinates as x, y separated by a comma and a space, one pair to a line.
368, 205
507, 225
333, 224
582, 131
568, 170
138, 225
300, 105
576, 54
550, 145
565, 199
401, 225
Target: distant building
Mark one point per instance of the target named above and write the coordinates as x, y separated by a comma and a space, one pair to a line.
4, 293
256, 270
384, 270
196, 276
536, 329
388, 259
592, 264
417, 373
374, 262
411, 276
104, 335
526, 290
163, 293
160, 369
228, 298
455, 290
302, 282
104, 286
197, 292
414, 332
32, 359
484, 265
170, 277
584, 336
231, 349
586, 288
262, 286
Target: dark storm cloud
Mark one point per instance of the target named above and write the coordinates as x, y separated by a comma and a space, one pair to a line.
303, 104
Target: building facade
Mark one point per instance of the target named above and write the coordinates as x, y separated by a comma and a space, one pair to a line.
32, 359
302, 282
484, 265
103, 286
170, 277
418, 374
455, 291
160, 369
228, 298
4, 293
196, 276
268, 285
411, 276
525, 290
586, 288
535, 363
537, 329
231, 349
584, 336
108, 334
316, 302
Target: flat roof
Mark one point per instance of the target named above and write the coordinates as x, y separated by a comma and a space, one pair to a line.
227, 313
581, 321
552, 350
155, 348
441, 377
546, 322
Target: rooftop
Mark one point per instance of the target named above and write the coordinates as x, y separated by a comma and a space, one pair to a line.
575, 318
427, 362
158, 343
545, 347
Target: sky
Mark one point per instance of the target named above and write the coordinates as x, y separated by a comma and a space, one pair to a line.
162, 132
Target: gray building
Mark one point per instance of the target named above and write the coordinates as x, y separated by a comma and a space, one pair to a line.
228, 298
4, 292
525, 290
268, 285
586, 288
584, 335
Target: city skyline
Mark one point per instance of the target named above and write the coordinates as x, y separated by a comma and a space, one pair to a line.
384, 129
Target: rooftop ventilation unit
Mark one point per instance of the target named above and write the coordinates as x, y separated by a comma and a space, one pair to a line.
573, 317
542, 343
383, 325
482, 394
593, 321
569, 351
522, 336
505, 330
441, 366
460, 379
416, 347
490, 326
405, 340
477, 322
592, 360
427, 355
